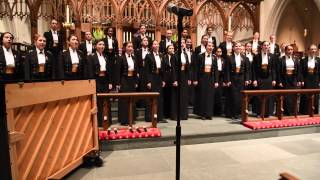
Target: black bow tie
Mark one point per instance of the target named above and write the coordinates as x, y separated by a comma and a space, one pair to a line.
41, 52
157, 54
208, 55
129, 55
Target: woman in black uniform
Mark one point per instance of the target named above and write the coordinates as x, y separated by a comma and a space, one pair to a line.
237, 77
185, 69
99, 68
207, 81
126, 80
264, 76
289, 72
71, 62
310, 71
218, 92
171, 83
10, 60
155, 78
38, 62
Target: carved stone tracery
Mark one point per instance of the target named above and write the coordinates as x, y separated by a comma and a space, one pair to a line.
131, 13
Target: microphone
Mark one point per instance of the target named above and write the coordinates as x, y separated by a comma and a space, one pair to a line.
179, 11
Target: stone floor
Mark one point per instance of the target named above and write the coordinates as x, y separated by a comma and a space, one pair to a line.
258, 159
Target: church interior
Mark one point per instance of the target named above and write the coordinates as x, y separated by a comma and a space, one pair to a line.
119, 90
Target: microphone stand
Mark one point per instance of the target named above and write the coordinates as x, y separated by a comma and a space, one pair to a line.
178, 126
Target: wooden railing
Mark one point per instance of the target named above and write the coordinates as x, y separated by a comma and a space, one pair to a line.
131, 98
279, 94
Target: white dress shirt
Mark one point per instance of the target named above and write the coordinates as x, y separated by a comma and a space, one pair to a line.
255, 44
311, 62
188, 51
229, 46
110, 42
169, 57
203, 49
89, 47
249, 56
102, 62
264, 58
55, 36
210, 39
168, 42
8, 55
238, 60
289, 63
74, 56
130, 62
41, 57
208, 59
158, 60
272, 47
183, 59
144, 52
219, 63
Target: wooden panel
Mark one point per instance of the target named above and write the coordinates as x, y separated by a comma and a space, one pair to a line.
50, 134
36, 93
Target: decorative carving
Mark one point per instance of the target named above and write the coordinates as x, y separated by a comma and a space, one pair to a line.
14, 8
209, 15
241, 19
169, 20
98, 11
138, 12
128, 14
46, 9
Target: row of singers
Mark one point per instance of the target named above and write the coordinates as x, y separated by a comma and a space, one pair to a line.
150, 72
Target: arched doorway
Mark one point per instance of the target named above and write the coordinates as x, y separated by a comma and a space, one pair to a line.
297, 24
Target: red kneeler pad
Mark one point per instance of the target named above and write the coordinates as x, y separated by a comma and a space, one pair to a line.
255, 125
126, 133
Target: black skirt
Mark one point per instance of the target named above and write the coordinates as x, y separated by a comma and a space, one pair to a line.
205, 96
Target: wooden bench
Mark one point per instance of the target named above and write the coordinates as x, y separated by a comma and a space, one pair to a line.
131, 98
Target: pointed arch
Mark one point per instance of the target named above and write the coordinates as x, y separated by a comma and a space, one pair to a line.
275, 16
220, 9
246, 7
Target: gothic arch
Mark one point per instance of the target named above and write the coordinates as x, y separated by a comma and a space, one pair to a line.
222, 12
275, 16
246, 7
